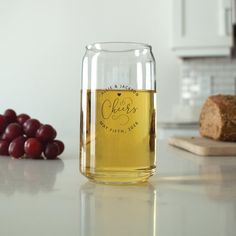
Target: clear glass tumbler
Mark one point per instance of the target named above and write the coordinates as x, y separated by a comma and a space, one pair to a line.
118, 114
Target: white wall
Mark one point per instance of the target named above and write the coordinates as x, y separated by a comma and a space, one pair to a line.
42, 44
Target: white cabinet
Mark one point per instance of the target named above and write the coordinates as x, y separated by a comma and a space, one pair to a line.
202, 27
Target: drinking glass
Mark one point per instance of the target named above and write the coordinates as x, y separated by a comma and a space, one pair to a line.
118, 113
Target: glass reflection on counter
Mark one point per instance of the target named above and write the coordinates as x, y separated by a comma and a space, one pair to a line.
31, 176
117, 210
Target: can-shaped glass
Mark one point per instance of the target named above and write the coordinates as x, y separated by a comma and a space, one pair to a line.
118, 113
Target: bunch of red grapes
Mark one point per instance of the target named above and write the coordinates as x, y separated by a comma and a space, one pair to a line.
22, 136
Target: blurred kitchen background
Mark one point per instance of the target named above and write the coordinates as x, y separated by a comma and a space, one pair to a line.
42, 44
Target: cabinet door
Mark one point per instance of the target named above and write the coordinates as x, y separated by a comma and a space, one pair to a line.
202, 27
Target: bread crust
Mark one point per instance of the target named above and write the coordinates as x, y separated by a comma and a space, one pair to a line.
218, 118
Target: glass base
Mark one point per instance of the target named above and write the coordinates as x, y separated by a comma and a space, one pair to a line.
119, 177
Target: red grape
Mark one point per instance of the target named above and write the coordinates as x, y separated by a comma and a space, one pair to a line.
60, 145
30, 127
46, 133
3, 123
13, 130
33, 148
51, 150
16, 148
22, 118
3, 136
20, 135
4, 144
10, 115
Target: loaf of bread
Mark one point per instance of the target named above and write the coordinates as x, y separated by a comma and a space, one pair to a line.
218, 118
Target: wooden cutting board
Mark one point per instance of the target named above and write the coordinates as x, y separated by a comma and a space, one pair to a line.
203, 146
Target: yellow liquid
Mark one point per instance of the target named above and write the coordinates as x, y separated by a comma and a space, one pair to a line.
117, 135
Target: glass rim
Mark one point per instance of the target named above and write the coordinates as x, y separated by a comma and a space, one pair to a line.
117, 46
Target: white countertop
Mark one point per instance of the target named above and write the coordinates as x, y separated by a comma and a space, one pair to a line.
190, 195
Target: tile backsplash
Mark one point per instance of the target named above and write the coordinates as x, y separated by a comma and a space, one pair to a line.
202, 77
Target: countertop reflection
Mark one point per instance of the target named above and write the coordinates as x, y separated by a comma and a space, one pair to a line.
189, 195
30, 176
118, 210
195, 195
